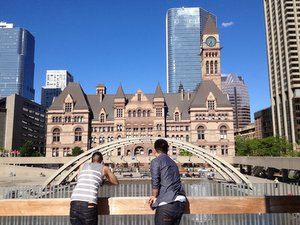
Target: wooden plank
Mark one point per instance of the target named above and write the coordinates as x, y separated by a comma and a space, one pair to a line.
138, 206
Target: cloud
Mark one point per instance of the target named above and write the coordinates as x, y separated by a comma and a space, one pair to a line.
227, 24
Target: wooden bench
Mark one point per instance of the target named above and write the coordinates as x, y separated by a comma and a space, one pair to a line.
127, 175
138, 206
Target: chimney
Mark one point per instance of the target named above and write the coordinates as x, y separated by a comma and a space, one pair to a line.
101, 91
182, 94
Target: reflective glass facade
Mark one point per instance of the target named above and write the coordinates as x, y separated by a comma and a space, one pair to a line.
184, 28
235, 87
16, 62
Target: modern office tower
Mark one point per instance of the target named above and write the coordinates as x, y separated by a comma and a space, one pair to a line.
283, 45
184, 27
263, 123
21, 120
235, 87
16, 61
56, 81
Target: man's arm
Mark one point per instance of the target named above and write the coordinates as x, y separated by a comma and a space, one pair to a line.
110, 176
155, 181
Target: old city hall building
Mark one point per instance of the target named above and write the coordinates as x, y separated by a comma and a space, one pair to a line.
203, 117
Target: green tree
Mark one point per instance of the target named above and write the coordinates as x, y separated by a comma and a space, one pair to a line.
183, 152
270, 146
27, 150
76, 151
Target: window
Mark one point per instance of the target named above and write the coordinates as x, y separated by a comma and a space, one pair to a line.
134, 113
174, 150
119, 151
223, 132
68, 107
119, 127
187, 138
216, 66
200, 132
139, 113
139, 97
211, 67
56, 135
148, 113
119, 113
158, 112
224, 149
102, 117
129, 113
176, 115
159, 126
55, 152
78, 134
207, 67
213, 149
211, 105
66, 152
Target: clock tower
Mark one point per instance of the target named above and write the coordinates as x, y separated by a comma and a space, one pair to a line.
210, 53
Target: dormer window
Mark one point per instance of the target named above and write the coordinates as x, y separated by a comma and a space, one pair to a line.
139, 97
176, 116
211, 105
68, 107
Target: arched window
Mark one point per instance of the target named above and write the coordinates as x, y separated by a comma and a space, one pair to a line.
102, 117
176, 115
78, 134
139, 113
187, 138
56, 135
216, 66
129, 113
211, 67
144, 113
150, 152
207, 67
134, 113
223, 132
148, 113
128, 152
200, 133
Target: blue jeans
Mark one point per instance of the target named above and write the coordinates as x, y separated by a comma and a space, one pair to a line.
169, 214
83, 213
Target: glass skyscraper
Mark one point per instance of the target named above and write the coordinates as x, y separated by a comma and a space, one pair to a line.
16, 61
237, 91
184, 28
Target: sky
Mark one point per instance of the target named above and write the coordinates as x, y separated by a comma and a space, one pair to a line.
124, 42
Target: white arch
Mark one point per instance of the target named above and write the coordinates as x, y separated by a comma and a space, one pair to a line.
69, 170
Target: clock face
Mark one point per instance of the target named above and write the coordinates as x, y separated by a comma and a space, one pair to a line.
211, 41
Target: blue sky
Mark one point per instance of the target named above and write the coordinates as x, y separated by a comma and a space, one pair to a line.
118, 41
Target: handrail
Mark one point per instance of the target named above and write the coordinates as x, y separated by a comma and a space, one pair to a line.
138, 206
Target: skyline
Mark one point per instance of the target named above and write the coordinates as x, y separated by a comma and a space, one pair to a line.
105, 42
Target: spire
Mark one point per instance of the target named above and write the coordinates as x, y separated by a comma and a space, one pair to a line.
120, 92
158, 92
210, 26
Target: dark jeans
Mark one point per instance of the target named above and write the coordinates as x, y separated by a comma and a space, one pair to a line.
83, 213
169, 214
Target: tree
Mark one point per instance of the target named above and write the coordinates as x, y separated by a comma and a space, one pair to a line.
270, 146
183, 152
27, 150
76, 151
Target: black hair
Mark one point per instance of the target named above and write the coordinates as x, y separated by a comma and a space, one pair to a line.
161, 145
97, 157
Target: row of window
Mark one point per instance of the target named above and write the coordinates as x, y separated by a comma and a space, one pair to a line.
67, 119
211, 67
56, 135
211, 116
201, 132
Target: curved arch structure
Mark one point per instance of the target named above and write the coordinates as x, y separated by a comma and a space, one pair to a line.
69, 171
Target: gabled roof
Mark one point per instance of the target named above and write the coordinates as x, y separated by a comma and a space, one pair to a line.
158, 92
120, 92
79, 97
210, 26
205, 87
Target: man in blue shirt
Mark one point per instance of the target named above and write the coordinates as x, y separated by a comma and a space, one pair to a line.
168, 196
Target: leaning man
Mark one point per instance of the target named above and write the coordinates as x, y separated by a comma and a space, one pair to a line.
168, 196
84, 199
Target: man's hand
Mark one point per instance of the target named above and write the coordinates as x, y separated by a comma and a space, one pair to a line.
151, 200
